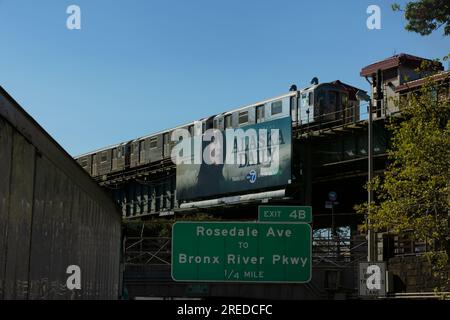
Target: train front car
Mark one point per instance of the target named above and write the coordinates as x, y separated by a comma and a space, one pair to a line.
327, 105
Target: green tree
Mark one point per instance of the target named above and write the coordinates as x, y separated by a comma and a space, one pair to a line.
413, 194
160, 227
426, 16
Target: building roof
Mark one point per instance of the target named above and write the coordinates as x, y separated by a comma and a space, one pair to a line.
410, 85
393, 62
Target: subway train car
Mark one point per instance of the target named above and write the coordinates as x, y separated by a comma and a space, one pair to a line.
325, 104
317, 106
263, 111
141, 151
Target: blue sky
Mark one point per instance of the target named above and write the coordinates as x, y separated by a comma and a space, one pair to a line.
137, 67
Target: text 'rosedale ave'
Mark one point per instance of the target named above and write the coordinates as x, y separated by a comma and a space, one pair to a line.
242, 232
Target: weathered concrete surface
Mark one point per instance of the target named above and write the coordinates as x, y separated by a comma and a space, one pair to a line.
52, 215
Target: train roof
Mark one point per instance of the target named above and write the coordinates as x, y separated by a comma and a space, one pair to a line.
164, 131
181, 126
290, 94
99, 150
132, 140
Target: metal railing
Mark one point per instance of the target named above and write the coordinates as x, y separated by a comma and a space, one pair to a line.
420, 295
338, 251
145, 251
157, 251
336, 119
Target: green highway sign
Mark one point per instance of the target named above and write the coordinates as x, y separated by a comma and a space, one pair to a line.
241, 252
285, 214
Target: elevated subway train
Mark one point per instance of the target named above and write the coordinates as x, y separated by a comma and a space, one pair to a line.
324, 104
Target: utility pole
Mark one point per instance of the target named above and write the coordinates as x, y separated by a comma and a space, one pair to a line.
371, 254
371, 243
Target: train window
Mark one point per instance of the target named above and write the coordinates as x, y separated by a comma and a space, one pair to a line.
142, 145
191, 130
104, 157
153, 142
304, 101
310, 99
321, 98
332, 98
277, 107
243, 117
259, 114
348, 112
228, 123
344, 101
218, 123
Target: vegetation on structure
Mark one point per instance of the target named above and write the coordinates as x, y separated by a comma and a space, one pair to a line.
413, 194
160, 227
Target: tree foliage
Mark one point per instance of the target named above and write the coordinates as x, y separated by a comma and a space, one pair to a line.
426, 16
161, 227
415, 191
413, 194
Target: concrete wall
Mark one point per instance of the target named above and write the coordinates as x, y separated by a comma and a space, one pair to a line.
413, 274
52, 215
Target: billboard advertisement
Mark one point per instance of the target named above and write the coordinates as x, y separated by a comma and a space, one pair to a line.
251, 157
